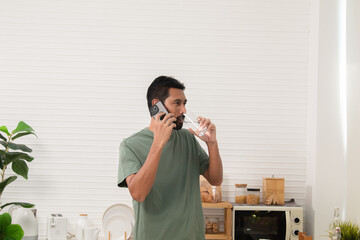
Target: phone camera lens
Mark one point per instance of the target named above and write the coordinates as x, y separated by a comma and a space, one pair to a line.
154, 110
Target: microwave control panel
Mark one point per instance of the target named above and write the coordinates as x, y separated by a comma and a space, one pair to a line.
296, 221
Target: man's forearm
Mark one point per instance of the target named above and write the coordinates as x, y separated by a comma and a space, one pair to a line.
215, 172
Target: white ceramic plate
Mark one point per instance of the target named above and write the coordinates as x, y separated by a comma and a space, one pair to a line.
117, 226
117, 219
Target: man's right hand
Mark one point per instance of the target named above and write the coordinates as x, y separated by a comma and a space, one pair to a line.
162, 129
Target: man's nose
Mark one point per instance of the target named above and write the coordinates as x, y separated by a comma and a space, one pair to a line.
183, 109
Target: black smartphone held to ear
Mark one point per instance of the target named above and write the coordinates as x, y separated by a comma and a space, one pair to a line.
158, 108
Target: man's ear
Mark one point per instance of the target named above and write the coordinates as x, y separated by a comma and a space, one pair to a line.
154, 101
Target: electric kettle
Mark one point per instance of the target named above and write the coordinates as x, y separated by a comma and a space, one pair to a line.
26, 218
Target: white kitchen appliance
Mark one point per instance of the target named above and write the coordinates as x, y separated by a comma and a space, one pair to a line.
267, 222
56, 227
26, 218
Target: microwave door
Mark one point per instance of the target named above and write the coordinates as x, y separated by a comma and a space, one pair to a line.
259, 225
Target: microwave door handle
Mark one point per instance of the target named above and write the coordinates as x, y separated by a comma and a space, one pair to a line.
288, 223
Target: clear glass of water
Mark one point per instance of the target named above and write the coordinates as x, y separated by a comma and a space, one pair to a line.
191, 122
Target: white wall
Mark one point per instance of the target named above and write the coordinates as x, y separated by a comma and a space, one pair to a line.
312, 117
332, 171
77, 72
330, 183
353, 74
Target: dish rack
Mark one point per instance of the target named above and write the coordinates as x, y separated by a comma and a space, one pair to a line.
227, 220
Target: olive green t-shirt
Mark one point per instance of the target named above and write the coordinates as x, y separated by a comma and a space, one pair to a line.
172, 209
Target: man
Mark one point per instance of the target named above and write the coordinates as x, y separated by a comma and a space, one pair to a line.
161, 166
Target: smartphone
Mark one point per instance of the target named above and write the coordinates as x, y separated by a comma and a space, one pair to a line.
158, 108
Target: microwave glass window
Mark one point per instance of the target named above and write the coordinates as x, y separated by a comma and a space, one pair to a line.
255, 225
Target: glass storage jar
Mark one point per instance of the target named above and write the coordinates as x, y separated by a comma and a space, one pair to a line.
212, 225
240, 193
253, 196
215, 194
208, 192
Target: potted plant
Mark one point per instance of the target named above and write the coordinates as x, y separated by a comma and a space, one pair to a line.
349, 231
9, 231
14, 155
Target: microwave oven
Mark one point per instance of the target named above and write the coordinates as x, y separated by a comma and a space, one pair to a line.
262, 222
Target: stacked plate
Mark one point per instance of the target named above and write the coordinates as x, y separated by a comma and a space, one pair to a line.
117, 220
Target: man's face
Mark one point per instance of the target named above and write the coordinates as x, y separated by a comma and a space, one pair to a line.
175, 103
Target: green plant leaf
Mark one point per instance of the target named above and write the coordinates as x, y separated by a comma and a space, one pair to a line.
22, 127
22, 134
22, 147
8, 238
6, 182
12, 156
22, 204
20, 168
15, 146
2, 137
4, 144
2, 159
5, 220
14, 231
349, 230
5, 130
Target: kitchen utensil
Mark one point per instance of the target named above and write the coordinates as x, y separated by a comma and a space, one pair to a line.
82, 222
91, 233
190, 121
118, 219
56, 227
240, 193
273, 191
253, 196
209, 193
118, 225
25, 217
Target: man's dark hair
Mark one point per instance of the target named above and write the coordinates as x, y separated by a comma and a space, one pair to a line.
159, 88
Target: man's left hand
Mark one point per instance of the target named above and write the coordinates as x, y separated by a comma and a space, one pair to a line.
210, 135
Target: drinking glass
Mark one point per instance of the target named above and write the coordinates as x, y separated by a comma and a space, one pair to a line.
191, 122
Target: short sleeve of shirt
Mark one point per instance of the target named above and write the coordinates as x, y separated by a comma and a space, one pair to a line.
203, 158
128, 164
